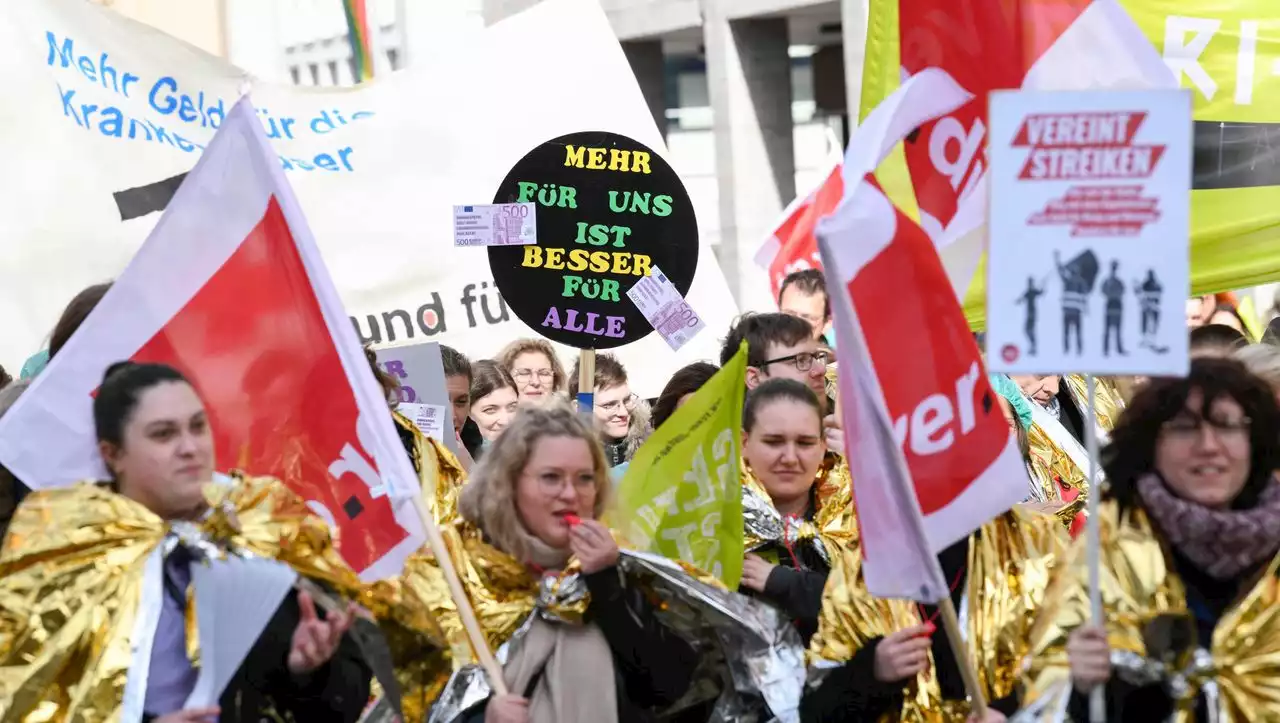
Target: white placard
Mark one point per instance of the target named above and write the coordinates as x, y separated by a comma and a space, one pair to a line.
664, 307
495, 224
430, 419
1088, 268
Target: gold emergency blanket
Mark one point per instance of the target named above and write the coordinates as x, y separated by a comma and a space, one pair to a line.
1050, 463
751, 638
439, 471
834, 524
1239, 675
71, 575
1009, 565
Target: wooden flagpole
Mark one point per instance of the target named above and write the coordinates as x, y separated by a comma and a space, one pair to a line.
951, 624
586, 382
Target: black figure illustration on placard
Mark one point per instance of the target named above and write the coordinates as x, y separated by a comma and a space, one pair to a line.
1113, 291
1148, 293
1078, 278
1029, 298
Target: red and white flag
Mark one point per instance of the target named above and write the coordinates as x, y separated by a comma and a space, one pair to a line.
932, 456
793, 246
230, 289
985, 46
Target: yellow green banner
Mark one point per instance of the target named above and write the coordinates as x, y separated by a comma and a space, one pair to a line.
1228, 53
681, 497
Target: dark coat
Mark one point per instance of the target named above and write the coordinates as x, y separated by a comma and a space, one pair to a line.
653, 667
1209, 600
851, 691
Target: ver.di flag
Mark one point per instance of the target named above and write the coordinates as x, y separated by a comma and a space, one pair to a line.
681, 497
230, 289
935, 459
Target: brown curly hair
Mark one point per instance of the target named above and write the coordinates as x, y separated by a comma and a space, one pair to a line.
488, 500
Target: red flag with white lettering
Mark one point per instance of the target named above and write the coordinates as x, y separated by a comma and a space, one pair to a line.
931, 454
932, 458
230, 289
985, 46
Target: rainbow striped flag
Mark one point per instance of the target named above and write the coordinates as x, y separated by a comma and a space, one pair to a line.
361, 42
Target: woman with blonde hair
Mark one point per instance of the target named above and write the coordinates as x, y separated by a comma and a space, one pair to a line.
538, 374
574, 616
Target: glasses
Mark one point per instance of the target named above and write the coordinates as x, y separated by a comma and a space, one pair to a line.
802, 361
524, 375
552, 483
1187, 429
618, 404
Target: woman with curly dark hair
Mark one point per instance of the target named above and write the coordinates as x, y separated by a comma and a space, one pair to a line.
1190, 532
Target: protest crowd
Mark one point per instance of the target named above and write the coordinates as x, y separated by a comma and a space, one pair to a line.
848, 514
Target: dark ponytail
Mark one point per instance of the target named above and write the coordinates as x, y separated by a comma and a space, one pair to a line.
122, 387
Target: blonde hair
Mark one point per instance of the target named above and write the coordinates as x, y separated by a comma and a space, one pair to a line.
507, 358
1263, 361
488, 500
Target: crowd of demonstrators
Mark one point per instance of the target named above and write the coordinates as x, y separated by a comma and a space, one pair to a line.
1191, 513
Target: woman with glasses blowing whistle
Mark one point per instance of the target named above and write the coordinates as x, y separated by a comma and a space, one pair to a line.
1190, 533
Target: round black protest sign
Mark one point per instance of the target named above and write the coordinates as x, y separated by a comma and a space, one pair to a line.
609, 211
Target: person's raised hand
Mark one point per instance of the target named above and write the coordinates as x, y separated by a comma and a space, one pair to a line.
593, 545
755, 572
903, 654
1089, 656
315, 640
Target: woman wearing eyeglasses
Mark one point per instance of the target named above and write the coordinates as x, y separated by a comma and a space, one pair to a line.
1190, 536
621, 417
532, 363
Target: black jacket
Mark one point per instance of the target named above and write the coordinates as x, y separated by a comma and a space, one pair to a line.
653, 667
1208, 600
795, 586
851, 691
336, 692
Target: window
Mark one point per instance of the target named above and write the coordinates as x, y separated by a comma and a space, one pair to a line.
333, 72
315, 73
295, 74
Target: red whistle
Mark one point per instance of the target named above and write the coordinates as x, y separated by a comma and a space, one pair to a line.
573, 520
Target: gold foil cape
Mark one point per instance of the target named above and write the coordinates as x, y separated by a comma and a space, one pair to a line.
71, 576
834, 524
741, 641
439, 471
1049, 462
1009, 567
1238, 674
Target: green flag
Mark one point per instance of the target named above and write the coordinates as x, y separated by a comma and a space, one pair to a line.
681, 497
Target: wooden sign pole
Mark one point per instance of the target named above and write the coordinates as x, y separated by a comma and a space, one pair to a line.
951, 624
587, 382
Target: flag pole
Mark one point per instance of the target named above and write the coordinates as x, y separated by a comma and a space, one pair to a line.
475, 634
951, 624
1097, 697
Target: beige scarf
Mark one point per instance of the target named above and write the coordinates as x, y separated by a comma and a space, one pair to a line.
571, 668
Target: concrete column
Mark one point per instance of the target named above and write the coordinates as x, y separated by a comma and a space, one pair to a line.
649, 64
749, 79
853, 26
